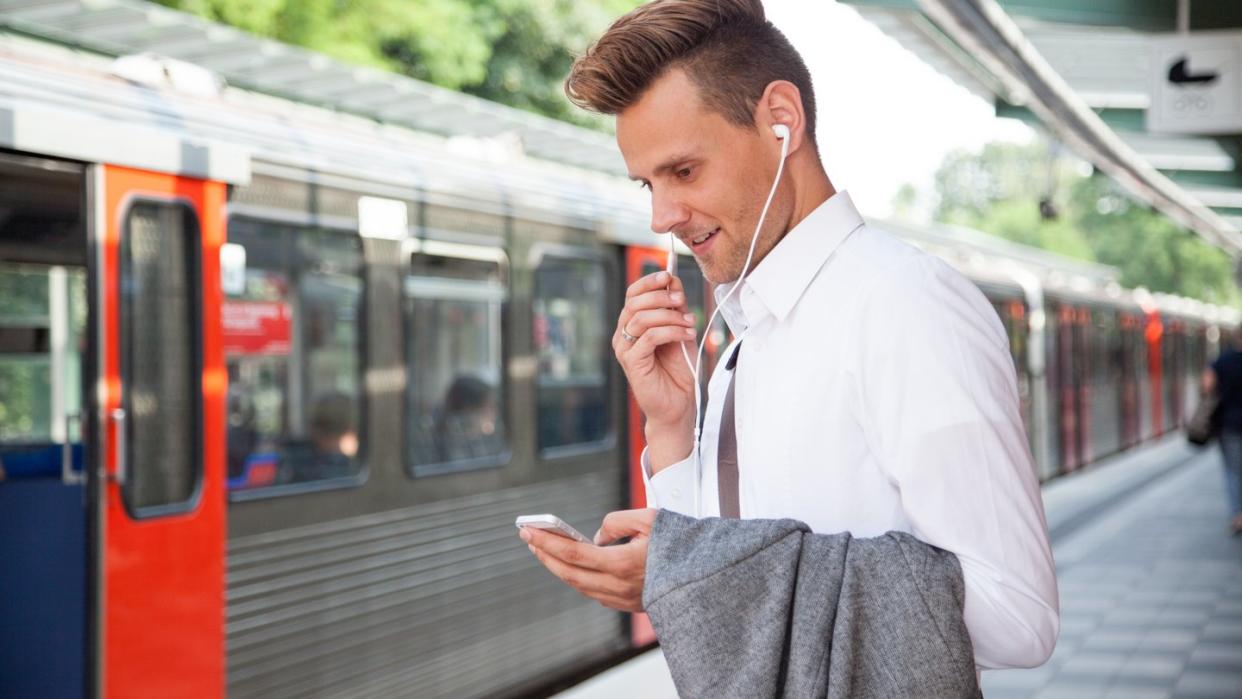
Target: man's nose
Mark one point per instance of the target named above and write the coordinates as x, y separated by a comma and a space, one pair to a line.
667, 213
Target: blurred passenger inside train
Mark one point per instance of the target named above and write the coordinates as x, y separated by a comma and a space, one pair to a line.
467, 425
243, 434
1225, 378
332, 436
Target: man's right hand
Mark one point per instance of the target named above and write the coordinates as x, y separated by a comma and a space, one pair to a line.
656, 313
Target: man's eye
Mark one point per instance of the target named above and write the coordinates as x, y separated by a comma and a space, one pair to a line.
683, 173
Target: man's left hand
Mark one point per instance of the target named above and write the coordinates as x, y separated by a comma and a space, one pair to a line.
610, 575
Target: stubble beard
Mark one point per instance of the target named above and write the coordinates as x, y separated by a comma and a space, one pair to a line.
726, 264
727, 260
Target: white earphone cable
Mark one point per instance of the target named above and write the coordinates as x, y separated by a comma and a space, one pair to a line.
698, 356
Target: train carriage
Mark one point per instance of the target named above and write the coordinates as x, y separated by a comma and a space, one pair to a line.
274, 381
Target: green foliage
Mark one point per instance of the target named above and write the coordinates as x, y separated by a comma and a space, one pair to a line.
968, 184
1019, 220
515, 52
999, 190
1148, 248
23, 296
24, 380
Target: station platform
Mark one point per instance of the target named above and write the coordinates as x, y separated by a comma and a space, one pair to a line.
1150, 583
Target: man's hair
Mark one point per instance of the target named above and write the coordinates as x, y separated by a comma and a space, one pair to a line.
728, 49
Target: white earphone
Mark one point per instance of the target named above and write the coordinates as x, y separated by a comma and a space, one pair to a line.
781, 131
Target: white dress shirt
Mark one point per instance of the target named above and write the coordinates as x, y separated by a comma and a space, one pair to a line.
876, 392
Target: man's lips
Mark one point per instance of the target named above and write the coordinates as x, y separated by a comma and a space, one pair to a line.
694, 242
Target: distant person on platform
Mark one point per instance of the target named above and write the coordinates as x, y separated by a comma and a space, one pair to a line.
1225, 378
875, 391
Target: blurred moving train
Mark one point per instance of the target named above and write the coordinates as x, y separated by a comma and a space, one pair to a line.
275, 380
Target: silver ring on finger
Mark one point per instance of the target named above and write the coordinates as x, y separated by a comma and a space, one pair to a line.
628, 337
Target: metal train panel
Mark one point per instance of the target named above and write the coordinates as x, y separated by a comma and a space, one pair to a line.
434, 600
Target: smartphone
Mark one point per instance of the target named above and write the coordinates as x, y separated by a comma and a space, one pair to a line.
553, 524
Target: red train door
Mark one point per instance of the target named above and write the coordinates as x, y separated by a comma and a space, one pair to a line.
639, 262
1154, 334
160, 603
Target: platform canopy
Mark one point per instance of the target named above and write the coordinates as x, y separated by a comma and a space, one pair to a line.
126, 27
1104, 77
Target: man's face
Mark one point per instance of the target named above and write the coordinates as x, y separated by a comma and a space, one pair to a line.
708, 177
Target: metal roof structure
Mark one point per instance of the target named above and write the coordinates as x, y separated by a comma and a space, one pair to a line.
125, 27
1083, 70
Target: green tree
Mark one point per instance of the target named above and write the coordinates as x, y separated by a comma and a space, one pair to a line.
999, 190
968, 184
905, 201
1019, 220
516, 52
1148, 248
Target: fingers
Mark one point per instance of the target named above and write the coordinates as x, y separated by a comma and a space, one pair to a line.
647, 343
659, 298
617, 584
592, 583
571, 552
653, 291
651, 282
672, 301
617, 525
643, 321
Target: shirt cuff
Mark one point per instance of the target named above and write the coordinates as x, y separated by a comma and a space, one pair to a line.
673, 487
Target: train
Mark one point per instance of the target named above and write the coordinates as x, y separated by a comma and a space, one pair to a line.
276, 376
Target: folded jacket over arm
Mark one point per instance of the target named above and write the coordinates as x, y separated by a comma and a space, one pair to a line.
765, 608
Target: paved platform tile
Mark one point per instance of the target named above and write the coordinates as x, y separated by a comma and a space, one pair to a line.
1133, 692
1074, 688
1225, 655
1114, 639
1209, 684
1092, 663
1169, 640
1026, 680
1223, 631
1187, 619
1147, 666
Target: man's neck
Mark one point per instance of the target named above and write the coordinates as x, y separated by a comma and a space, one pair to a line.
811, 189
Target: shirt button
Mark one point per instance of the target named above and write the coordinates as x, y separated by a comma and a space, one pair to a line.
676, 492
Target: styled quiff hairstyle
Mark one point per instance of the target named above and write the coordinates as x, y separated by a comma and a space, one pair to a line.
728, 49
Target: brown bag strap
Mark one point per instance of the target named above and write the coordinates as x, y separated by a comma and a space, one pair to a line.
726, 453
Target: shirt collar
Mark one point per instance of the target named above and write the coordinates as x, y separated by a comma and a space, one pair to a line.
782, 277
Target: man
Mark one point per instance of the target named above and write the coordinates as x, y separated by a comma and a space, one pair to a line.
874, 390
1225, 378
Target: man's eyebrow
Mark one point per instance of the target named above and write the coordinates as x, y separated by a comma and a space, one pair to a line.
666, 165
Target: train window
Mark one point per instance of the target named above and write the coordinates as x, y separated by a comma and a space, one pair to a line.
571, 341
162, 396
293, 347
454, 310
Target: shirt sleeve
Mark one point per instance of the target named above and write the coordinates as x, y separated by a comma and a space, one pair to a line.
940, 408
673, 487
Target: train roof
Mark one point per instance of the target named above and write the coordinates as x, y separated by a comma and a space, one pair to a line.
60, 99
70, 103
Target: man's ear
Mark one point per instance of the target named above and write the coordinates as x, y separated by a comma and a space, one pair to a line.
781, 103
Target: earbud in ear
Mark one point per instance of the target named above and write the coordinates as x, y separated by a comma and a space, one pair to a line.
781, 131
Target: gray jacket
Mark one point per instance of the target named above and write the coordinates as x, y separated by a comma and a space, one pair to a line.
765, 608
